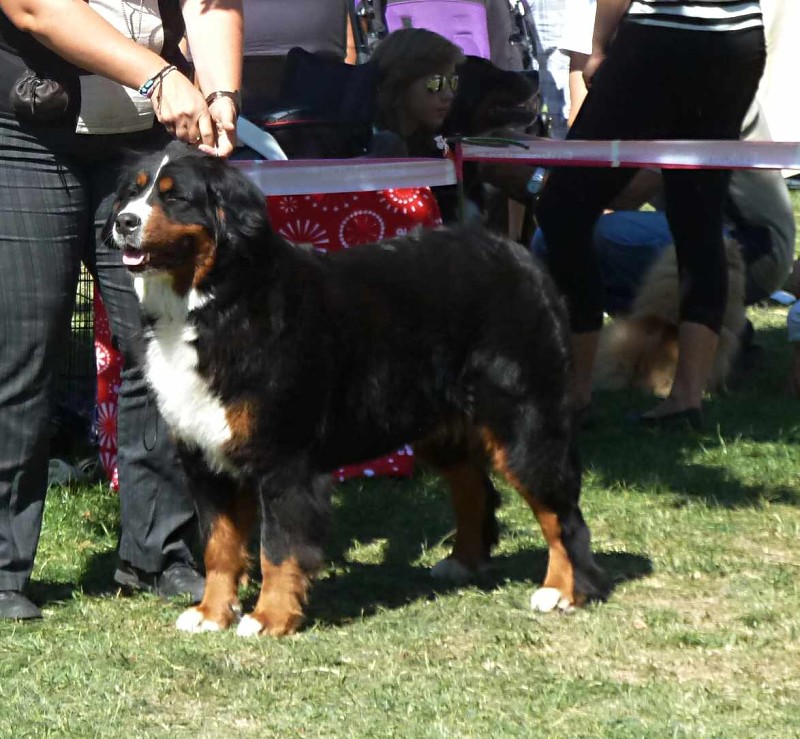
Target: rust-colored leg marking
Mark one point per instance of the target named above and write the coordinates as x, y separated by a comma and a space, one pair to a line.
468, 492
284, 592
560, 573
226, 560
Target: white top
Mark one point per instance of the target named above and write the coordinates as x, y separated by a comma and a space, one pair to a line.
578, 26
106, 106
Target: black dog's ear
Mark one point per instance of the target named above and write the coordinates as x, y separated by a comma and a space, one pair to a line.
238, 207
108, 226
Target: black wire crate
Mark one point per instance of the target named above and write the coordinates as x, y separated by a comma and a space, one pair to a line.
73, 416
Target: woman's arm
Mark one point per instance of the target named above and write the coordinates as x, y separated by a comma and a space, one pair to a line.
577, 85
101, 49
607, 18
98, 48
215, 30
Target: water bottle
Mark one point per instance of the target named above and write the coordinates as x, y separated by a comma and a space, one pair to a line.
535, 182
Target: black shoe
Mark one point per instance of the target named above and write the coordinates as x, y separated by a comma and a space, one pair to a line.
14, 605
177, 579
692, 417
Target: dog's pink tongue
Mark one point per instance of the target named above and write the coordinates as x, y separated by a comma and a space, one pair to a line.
132, 258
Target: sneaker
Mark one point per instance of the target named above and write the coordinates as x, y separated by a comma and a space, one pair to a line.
14, 605
177, 579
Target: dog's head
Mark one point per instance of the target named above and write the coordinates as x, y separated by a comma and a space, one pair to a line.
181, 213
491, 98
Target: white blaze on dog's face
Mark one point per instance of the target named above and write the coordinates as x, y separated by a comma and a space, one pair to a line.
163, 227
136, 211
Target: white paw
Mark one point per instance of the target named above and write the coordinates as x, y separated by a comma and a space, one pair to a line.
192, 621
545, 600
453, 571
248, 626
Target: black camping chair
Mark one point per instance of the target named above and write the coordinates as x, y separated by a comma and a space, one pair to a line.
325, 107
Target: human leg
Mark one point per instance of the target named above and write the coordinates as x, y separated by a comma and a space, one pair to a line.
624, 103
713, 107
157, 513
43, 217
568, 210
694, 206
627, 244
548, 27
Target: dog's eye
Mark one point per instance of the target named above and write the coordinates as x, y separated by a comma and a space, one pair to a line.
167, 189
173, 196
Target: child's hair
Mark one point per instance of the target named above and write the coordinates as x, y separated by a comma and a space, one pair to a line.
404, 56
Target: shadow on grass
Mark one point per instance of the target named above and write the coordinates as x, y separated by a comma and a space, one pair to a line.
405, 518
402, 518
96, 579
366, 589
757, 412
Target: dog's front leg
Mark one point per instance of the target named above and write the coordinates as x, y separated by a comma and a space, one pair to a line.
227, 515
293, 525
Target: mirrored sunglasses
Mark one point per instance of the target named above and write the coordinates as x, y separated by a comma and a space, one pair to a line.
435, 82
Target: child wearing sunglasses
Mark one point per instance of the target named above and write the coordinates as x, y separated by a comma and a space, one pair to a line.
418, 83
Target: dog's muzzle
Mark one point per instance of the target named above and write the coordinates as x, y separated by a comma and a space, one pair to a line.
127, 236
127, 224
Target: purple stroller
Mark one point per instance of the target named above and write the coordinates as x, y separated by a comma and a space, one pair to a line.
464, 22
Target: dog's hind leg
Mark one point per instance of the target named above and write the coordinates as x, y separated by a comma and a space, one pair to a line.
293, 524
227, 518
460, 460
542, 465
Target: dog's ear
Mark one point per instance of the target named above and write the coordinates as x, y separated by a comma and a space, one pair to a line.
238, 207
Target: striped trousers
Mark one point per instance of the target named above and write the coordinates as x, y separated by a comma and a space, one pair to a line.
56, 190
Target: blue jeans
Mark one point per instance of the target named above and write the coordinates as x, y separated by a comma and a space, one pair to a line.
626, 243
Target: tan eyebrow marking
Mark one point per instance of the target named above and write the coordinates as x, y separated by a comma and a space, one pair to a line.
142, 178
165, 184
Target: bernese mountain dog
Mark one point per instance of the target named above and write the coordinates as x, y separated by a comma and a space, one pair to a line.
273, 364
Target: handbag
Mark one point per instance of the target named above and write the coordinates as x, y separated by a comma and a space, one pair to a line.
38, 99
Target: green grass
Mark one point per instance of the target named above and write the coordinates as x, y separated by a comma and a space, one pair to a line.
700, 637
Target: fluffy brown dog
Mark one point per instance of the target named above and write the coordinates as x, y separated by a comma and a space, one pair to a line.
641, 350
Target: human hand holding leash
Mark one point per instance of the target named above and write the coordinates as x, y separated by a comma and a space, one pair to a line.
182, 110
224, 112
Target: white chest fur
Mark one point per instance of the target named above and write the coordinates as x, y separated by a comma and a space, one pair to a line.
193, 412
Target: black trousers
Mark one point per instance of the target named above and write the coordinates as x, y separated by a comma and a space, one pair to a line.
55, 194
656, 83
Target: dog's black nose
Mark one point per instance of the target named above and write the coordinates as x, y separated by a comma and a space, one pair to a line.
127, 223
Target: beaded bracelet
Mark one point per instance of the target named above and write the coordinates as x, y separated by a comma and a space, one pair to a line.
149, 86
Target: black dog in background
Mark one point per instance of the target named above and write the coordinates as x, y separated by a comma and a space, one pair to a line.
273, 364
491, 99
